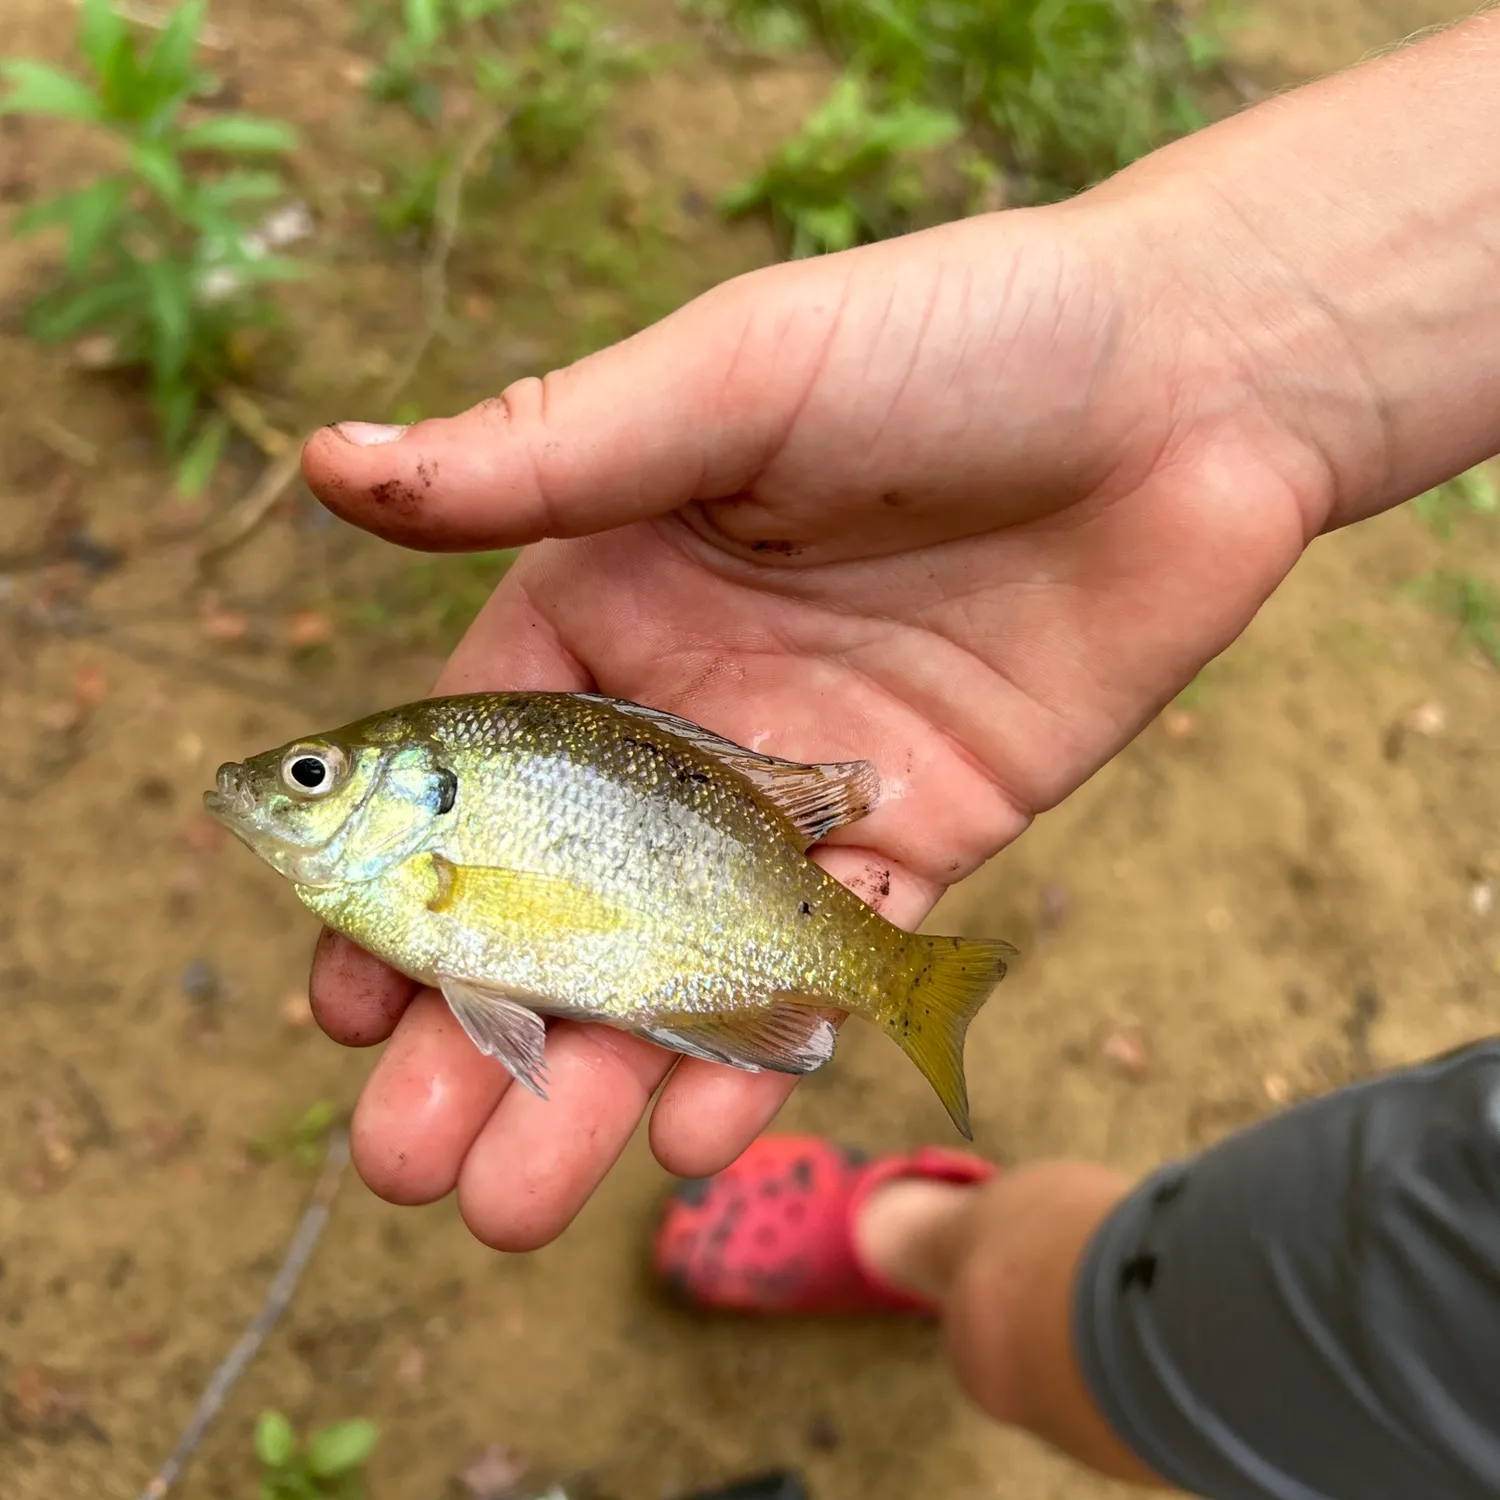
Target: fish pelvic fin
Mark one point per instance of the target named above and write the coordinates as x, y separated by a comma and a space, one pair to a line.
502, 1026
814, 799
785, 1037
950, 982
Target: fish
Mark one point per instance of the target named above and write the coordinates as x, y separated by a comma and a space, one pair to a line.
537, 856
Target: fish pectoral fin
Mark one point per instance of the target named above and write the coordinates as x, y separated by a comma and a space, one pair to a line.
785, 1037
815, 799
501, 1026
504, 901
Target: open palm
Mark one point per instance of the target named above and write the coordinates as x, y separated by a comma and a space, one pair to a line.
971, 505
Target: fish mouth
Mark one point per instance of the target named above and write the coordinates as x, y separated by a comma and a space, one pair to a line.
231, 801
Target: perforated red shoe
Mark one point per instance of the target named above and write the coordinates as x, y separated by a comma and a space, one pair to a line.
774, 1232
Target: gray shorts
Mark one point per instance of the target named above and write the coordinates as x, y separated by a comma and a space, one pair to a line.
1310, 1310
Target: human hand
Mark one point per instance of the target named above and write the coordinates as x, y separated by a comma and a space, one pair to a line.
972, 504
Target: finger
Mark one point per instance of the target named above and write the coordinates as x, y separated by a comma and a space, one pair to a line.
536, 1161
708, 1113
684, 409
356, 999
427, 1100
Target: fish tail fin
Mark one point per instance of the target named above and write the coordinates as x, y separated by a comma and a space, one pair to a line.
951, 978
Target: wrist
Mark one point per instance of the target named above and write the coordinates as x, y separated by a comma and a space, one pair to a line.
1336, 257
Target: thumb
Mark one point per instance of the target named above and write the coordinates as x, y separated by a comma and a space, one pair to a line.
691, 408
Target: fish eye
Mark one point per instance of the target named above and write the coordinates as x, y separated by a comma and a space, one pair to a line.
312, 770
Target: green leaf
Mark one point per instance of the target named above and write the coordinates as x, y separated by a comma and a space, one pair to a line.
36, 89
275, 1442
240, 187
245, 135
342, 1449
157, 165
101, 29
92, 213
201, 461
55, 320
177, 401
169, 64
171, 313
424, 23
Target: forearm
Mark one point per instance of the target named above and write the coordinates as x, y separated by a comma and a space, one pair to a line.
1351, 232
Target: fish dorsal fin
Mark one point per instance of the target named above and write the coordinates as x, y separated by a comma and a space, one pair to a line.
785, 1037
815, 799
502, 1027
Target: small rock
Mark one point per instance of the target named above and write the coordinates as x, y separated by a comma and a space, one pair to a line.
308, 628
88, 687
411, 1368
143, 1341
1482, 898
59, 718
822, 1435
1125, 1048
199, 981
1179, 723
1276, 1088
490, 1474
1429, 719
202, 835
296, 1011
1052, 908
225, 626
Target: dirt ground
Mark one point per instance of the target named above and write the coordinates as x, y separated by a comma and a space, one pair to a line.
1274, 890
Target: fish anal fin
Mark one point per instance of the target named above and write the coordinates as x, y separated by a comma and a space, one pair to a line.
502, 1027
814, 798
785, 1037
519, 901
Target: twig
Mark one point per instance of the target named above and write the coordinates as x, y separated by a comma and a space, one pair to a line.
247, 513
245, 413
64, 441
149, 654
448, 216
299, 1252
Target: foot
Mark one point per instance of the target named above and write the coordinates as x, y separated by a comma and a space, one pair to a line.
774, 1232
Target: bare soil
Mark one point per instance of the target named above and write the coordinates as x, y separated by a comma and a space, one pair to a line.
1276, 889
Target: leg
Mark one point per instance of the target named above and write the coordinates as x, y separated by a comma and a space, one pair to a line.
799, 1226
998, 1262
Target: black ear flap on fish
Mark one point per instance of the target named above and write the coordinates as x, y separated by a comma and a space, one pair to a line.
814, 799
447, 790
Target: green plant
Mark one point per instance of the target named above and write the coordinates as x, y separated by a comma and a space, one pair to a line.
850, 175
1474, 492
1057, 93
302, 1138
330, 1466
161, 260
1472, 601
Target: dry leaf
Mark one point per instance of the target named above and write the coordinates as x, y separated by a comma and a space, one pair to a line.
308, 627
225, 626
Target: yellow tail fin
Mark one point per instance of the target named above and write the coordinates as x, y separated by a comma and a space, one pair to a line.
953, 978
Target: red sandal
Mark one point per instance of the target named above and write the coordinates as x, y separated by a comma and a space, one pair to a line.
773, 1233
